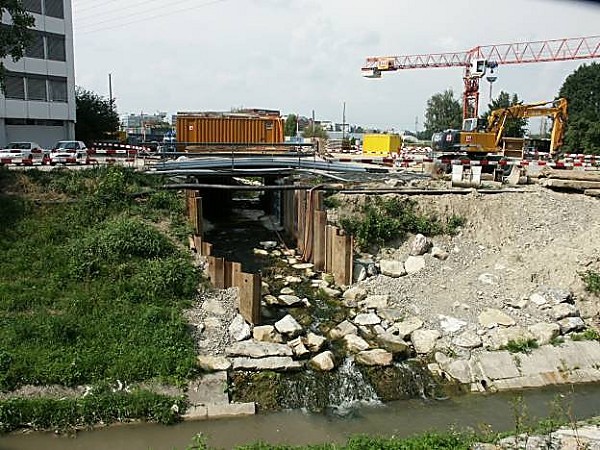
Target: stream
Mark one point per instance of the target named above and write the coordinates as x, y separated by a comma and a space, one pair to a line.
400, 418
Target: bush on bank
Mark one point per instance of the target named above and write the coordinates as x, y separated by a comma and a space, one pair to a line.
93, 279
102, 407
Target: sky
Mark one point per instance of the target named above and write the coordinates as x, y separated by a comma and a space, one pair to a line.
297, 56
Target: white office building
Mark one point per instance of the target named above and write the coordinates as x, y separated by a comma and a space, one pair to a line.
39, 103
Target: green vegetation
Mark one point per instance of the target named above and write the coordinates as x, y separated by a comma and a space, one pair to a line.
104, 406
590, 334
92, 283
592, 281
383, 220
521, 345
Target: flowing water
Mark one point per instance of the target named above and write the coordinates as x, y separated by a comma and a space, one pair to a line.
401, 418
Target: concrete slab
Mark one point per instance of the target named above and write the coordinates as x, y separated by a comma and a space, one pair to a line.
196, 413
542, 360
210, 389
231, 410
497, 365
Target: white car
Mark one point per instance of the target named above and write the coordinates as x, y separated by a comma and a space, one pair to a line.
68, 152
23, 150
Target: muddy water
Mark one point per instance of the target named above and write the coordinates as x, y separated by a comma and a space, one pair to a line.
295, 427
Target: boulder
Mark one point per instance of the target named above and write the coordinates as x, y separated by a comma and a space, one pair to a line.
420, 245
260, 252
394, 344
323, 362
293, 280
569, 324
266, 333
289, 300
314, 342
538, 299
493, 317
270, 300
213, 363
254, 349
367, 319
406, 327
375, 357
488, 278
287, 291
268, 245
468, 339
298, 347
517, 303
439, 253
500, 337
239, 330
288, 326
374, 302
331, 292
353, 295
424, 340
558, 296
392, 268
277, 363
451, 324
355, 344
414, 264
342, 329
391, 315
543, 333
359, 273
303, 266
562, 310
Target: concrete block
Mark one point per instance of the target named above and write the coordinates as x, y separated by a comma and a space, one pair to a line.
199, 412
231, 410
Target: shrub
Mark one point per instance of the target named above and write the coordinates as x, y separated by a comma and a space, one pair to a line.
592, 281
521, 345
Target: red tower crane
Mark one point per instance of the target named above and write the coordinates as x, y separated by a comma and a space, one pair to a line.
481, 58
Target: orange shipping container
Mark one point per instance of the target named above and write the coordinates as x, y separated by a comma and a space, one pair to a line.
196, 128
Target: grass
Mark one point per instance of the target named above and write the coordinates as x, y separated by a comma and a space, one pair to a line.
521, 345
592, 281
92, 288
383, 220
104, 406
590, 334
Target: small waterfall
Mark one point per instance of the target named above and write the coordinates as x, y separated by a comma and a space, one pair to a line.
350, 388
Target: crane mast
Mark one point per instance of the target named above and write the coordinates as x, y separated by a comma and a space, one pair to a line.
478, 60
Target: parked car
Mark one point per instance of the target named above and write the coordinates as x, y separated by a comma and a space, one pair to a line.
24, 150
68, 151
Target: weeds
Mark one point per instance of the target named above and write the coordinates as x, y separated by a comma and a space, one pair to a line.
590, 334
592, 281
521, 345
93, 290
391, 219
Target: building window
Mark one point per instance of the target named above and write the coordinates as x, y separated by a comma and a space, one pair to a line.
34, 6
58, 90
15, 87
56, 47
36, 89
55, 8
35, 49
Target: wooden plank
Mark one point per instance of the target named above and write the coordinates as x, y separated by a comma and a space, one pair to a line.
250, 287
197, 222
319, 239
342, 257
317, 200
232, 269
192, 243
571, 184
216, 271
301, 220
206, 249
571, 175
329, 248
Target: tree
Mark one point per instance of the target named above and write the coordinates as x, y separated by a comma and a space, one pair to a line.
582, 91
290, 125
97, 117
314, 131
514, 127
443, 112
14, 38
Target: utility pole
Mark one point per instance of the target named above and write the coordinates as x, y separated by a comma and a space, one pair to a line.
416, 125
110, 94
343, 124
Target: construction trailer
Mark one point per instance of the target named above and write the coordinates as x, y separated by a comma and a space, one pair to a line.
200, 131
381, 144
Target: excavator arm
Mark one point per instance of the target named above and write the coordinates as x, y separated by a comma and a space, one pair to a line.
556, 109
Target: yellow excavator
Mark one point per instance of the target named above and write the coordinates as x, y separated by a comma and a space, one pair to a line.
474, 142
